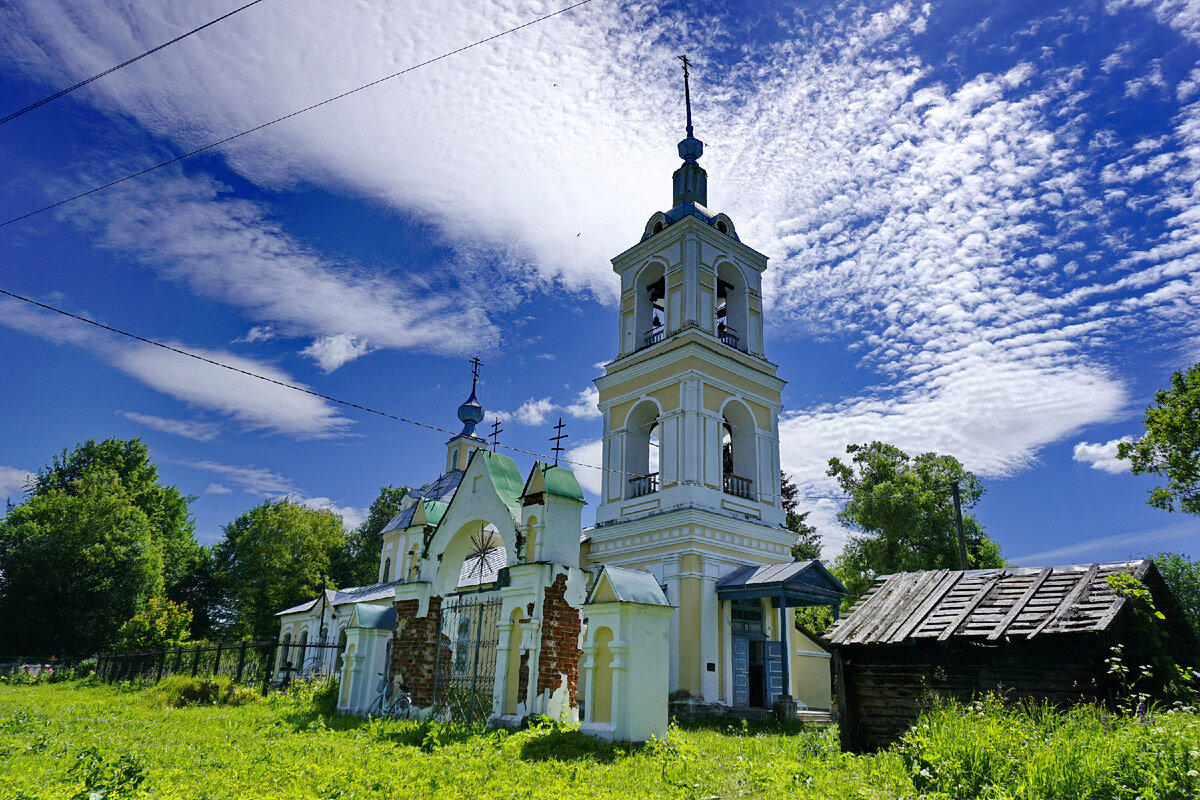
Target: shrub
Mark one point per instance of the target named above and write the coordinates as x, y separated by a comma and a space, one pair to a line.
179, 691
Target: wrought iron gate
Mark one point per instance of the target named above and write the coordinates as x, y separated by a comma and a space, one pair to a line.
466, 660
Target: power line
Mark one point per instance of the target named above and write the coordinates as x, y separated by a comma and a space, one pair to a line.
227, 139
369, 410
126, 63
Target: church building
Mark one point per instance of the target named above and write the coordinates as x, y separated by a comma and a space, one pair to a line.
489, 586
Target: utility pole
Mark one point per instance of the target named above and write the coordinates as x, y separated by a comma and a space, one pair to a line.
962, 539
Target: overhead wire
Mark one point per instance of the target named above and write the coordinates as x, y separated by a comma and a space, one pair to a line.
306, 109
125, 63
368, 409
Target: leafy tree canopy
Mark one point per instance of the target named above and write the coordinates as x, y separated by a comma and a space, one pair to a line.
361, 559
160, 624
1170, 447
77, 559
274, 556
905, 505
1182, 575
808, 541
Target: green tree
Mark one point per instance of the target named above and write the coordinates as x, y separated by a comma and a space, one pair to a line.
904, 505
1170, 447
1182, 575
808, 541
359, 564
201, 591
164, 507
274, 556
77, 559
160, 624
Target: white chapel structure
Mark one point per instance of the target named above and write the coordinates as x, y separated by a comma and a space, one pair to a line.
493, 602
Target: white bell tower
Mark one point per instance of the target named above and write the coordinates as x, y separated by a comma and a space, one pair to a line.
691, 407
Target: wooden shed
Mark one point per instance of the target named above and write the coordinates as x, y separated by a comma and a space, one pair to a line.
1042, 634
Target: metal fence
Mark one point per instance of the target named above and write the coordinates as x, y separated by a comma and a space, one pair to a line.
268, 664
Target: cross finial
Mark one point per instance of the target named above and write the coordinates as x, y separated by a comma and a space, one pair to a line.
687, 94
496, 431
475, 365
558, 448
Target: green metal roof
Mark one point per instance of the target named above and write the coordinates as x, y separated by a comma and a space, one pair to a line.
618, 584
373, 616
558, 481
506, 479
434, 511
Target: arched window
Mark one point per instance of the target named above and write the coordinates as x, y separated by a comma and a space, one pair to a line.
285, 651
386, 575
602, 699
512, 684
733, 309
641, 450
739, 457
341, 648
303, 646
651, 305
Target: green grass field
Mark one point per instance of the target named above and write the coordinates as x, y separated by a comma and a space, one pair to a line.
75, 740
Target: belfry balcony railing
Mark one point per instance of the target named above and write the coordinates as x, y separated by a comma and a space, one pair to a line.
643, 485
728, 336
653, 336
738, 486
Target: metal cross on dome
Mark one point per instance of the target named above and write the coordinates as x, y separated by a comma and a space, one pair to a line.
475, 365
558, 448
496, 431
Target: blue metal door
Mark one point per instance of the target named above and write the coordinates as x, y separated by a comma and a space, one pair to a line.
741, 672
774, 670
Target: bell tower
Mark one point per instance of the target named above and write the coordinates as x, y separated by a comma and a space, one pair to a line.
690, 405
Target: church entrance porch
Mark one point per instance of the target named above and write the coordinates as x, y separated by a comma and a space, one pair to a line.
757, 662
465, 666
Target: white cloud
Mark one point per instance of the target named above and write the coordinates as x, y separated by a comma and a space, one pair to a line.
534, 412
13, 480
187, 428
256, 404
1119, 546
331, 352
585, 406
585, 457
259, 333
1102, 456
266, 483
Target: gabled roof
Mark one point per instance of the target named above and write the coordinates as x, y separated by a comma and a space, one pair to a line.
505, 477
351, 594
986, 604
422, 512
801, 582
553, 479
621, 585
440, 491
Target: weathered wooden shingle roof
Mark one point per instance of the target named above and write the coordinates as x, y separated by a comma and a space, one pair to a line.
986, 604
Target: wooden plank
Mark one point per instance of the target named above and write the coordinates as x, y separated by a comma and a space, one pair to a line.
966, 612
931, 589
1016, 610
1081, 586
858, 615
900, 586
917, 620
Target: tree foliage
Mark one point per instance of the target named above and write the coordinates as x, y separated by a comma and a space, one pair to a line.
808, 541
77, 559
1182, 575
274, 556
1170, 447
160, 624
904, 504
361, 560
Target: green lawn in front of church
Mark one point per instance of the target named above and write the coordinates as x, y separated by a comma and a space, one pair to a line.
81, 741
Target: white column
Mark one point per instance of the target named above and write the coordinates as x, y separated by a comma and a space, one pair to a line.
670, 577
709, 628
500, 685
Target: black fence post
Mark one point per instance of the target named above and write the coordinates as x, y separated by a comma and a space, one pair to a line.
241, 663
162, 663
217, 665
178, 659
196, 661
269, 667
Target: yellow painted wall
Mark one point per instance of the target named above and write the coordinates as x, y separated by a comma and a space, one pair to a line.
672, 373
603, 675
811, 678
513, 683
667, 396
689, 632
714, 396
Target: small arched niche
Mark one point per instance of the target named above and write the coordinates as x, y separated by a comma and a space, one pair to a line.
650, 310
739, 456
472, 559
732, 307
641, 449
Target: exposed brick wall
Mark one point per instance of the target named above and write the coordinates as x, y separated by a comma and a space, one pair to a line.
414, 651
560, 654
523, 678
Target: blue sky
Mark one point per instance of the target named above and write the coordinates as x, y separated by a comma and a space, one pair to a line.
982, 223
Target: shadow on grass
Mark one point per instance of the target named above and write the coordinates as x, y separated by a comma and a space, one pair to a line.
564, 744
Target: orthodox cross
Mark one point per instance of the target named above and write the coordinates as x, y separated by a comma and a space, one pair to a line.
558, 448
475, 365
496, 431
687, 94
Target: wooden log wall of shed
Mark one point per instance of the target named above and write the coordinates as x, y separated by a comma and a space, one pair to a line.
885, 688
